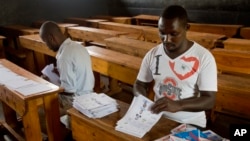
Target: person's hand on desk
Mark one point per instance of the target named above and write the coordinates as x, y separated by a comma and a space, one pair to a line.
165, 104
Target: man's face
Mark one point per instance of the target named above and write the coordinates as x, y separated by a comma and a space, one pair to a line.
172, 33
51, 42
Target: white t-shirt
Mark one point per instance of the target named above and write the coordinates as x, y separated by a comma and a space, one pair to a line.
179, 78
74, 66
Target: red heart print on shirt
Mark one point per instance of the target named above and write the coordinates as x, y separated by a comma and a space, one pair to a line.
194, 68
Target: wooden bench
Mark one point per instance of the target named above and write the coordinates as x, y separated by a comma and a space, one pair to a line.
63, 26
26, 107
233, 96
116, 19
84, 21
88, 34
129, 46
149, 20
84, 128
245, 32
208, 40
232, 61
134, 31
237, 44
225, 29
2, 54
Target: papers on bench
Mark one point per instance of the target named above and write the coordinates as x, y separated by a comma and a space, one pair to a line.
19, 83
95, 105
138, 120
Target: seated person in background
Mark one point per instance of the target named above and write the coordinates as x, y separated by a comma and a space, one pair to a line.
184, 72
73, 64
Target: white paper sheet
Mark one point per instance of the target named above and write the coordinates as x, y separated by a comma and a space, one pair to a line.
48, 71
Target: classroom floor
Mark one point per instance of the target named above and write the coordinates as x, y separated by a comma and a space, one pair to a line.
220, 126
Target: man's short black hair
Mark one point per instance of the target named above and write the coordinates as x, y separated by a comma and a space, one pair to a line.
175, 11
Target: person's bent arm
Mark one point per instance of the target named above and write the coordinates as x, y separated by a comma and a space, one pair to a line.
204, 102
141, 88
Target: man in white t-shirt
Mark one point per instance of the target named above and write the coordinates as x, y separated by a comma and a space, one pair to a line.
184, 72
73, 66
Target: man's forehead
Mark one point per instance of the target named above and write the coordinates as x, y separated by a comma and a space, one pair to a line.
171, 23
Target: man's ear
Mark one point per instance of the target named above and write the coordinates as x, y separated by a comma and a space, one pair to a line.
51, 38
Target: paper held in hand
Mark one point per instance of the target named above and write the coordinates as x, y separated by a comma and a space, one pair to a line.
138, 120
53, 77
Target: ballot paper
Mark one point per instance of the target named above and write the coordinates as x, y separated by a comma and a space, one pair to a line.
139, 119
19, 83
95, 105
53, 77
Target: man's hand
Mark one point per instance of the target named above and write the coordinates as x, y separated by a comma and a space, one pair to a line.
45, 77
55, 70
165, 104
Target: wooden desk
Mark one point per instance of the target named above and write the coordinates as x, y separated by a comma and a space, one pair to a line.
237, 44
208, 40
1, 47
151, 20
228, 30
129, 46
88, 34
245, 32
26, 106
84, 128
17, 30
84, 21
134, 31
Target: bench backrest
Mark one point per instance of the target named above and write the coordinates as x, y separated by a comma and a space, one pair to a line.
62, 26
129, 46
84, 21
208, 40
237, 44
134, 31
120, 66
116, 19
231, 61
225, 29
88, 34
233, 95
2, 55
245, 32
149, 20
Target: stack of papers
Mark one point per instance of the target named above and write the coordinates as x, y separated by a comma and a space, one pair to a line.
95, 105
19, 83
138, 120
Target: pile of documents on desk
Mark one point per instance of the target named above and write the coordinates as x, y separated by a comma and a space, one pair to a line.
19, 83
95, 105
186, 132
138, 120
